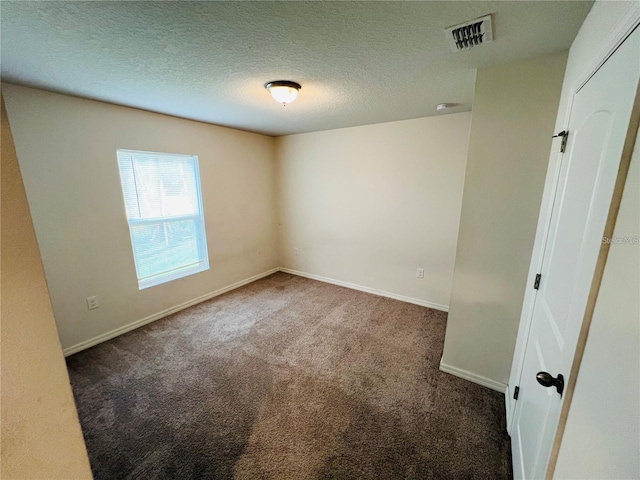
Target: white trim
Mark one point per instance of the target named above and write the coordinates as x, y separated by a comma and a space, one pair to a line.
507, 407
380, 293
473, 377
157, 316
164, 313
619, 34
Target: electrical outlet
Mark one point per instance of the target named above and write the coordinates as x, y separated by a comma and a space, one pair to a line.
92, 303
295, 251
420, 273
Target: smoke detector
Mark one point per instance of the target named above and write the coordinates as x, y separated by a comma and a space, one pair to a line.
470, 34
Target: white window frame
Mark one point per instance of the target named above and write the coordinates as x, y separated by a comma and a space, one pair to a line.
201, 234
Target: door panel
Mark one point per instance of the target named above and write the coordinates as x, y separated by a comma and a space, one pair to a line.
568, 233
568, 228
597, 128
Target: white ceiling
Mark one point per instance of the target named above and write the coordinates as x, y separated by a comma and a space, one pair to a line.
358, 62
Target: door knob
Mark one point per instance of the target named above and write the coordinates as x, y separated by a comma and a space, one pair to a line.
547, 380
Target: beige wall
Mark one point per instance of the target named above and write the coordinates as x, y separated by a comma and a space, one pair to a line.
369, 205
66, 147
40, 435
513, 117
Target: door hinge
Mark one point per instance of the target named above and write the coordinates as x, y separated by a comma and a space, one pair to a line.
564, 135
515, 393
536, 283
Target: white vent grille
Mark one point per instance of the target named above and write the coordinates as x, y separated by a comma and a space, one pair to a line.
470, 34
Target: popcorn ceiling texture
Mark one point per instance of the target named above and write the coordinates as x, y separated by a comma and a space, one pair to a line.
358, 62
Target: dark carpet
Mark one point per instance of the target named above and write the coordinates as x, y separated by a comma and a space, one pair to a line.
287, 378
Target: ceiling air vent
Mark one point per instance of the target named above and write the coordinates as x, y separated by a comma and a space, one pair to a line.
470, 34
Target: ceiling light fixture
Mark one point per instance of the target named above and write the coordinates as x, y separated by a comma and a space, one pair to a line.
283, 91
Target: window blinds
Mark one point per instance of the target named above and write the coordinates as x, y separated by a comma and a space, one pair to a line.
163, 204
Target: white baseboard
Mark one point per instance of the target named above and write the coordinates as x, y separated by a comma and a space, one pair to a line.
164, 313
157, 316
472, 377
380, 293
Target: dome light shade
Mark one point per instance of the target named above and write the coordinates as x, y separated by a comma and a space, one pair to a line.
283, 91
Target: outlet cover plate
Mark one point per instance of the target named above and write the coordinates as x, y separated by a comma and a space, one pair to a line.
92, 303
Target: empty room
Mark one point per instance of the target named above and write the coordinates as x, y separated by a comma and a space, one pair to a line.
313, 240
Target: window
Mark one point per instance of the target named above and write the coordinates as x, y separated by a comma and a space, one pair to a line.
163, 202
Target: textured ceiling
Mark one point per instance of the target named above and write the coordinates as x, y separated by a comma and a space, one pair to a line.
358, 62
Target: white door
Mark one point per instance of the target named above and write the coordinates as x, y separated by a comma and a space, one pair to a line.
598, 124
